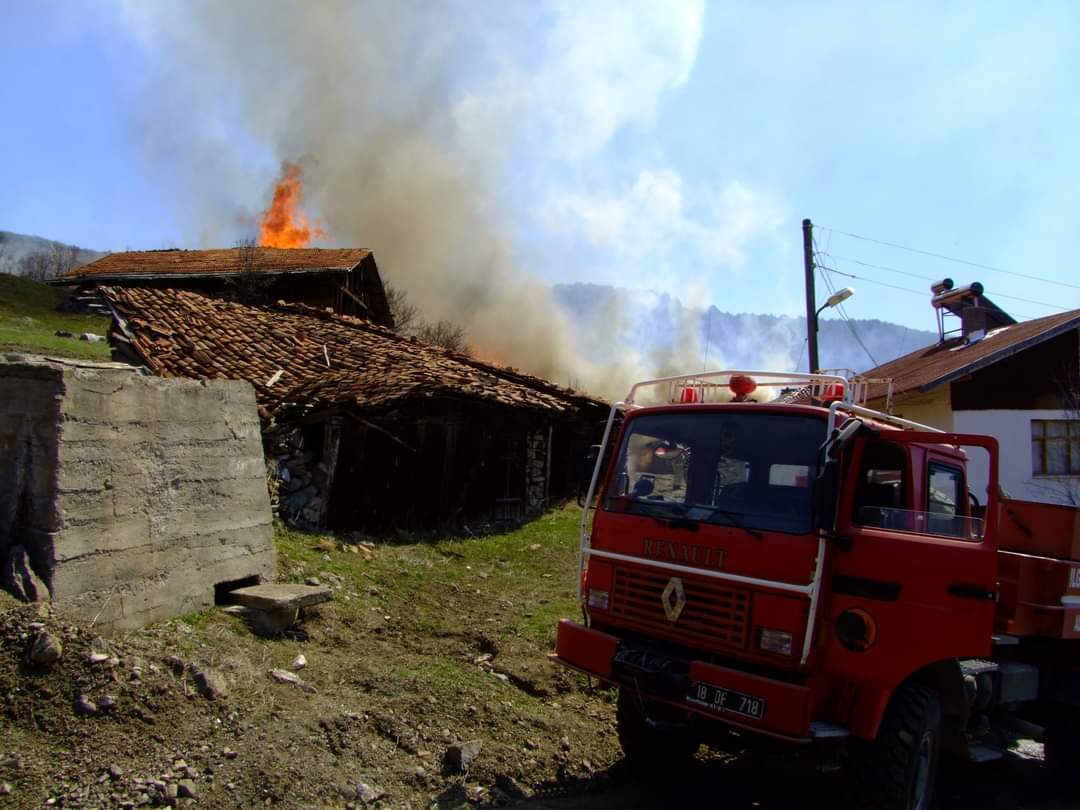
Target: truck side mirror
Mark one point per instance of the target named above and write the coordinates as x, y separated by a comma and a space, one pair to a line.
826, 489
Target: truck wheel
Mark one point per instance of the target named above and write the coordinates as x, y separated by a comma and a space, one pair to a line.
658, 748
897, 770
1061, 749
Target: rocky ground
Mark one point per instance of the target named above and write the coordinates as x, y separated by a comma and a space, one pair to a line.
423, 683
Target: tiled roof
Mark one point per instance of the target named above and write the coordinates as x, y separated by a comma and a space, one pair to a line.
325, 360
172, 263
940, 363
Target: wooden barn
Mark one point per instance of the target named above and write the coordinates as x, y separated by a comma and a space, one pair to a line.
367, 430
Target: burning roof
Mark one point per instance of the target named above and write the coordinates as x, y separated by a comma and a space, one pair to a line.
147, 264
300, 358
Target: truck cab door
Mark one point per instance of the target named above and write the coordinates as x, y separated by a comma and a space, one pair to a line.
915, 562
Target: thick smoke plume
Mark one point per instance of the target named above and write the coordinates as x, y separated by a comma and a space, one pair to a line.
407, 122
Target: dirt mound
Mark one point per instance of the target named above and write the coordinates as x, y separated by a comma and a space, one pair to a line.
425, 683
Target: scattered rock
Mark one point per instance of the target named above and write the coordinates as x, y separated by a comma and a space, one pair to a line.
368, 794
106, 703
90, 337
210, 682
348, 792
298, 663
46, 648
313, 582
229, 753
284, 676
12, 763
64, 333
462, 755
186, 789
116, 772
564, 743
85, 706
535, 547
176, 664
5, 789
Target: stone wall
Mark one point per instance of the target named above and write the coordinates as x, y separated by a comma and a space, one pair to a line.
128, 497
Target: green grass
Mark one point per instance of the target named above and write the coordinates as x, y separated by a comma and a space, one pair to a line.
526, 577
29, 320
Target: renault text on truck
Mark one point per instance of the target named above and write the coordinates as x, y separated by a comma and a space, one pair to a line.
767, 558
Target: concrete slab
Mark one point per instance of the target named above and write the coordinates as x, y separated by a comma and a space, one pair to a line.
279, 597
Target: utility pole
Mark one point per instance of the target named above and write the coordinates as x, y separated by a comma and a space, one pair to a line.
811, 312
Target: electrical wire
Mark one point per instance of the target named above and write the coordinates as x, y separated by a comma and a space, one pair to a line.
950, 258
840, 307
932, 279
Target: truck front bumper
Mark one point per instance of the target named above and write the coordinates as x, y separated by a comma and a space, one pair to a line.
730, 696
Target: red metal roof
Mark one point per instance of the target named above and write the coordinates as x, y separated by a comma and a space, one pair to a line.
324, 360
929, 367
186, 263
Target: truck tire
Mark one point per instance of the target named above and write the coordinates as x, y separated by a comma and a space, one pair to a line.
897, 770
1061, 751
657, 749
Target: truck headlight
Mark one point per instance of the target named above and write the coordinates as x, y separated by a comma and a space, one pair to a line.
775, 641
598, 599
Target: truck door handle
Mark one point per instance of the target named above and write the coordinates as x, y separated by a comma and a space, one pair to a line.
967, 591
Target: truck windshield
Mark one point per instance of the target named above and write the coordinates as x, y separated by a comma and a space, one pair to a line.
737, 468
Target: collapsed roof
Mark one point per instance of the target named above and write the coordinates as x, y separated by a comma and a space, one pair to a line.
301, 359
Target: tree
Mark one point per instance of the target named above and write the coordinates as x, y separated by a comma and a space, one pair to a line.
402, 310
250, 284
444, 333
36, 266
407, 322
63, 258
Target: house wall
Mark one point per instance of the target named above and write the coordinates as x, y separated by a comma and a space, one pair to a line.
1012, 429
933, 408
132, 496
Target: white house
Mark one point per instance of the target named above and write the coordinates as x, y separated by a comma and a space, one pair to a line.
1017, 382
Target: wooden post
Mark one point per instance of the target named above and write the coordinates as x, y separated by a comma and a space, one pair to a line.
811, 312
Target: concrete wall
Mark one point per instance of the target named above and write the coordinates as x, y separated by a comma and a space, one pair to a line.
132, 495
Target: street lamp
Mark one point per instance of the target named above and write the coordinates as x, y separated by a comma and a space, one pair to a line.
837, 297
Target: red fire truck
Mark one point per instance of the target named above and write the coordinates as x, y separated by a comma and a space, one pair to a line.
768, 558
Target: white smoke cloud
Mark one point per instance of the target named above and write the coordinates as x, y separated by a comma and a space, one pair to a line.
598, 67
662, 233
421, 127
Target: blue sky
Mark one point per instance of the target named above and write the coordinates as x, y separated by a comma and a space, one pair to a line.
671, 146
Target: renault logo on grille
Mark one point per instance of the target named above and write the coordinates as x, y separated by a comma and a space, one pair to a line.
673, 599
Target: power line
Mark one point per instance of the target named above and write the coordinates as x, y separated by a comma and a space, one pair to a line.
932, 279
843, 312
951, 258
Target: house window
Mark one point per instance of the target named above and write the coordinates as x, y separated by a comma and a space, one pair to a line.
1055, 447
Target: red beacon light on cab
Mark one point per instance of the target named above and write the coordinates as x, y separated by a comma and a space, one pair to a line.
833, 392
688, 396
741, 386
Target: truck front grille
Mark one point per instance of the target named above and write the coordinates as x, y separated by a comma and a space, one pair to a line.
714, 616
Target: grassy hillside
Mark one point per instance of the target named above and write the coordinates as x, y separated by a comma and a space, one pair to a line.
29, 321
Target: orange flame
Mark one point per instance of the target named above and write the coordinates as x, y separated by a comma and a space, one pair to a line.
282, 225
